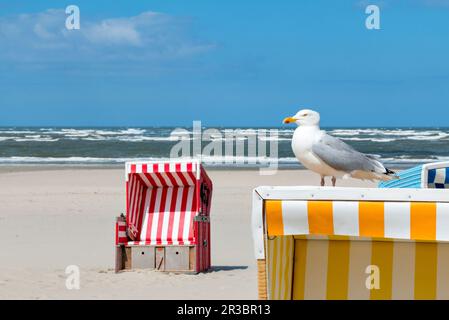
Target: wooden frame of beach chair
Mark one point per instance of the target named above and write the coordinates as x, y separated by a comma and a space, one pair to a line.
351, 243
167, 222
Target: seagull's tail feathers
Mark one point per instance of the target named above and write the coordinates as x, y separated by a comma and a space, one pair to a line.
378, 172
385, 174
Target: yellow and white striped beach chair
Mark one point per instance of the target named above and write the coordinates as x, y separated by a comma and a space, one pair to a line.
351, 243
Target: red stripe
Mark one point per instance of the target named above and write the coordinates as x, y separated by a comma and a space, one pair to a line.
150, 179
131, 200
126, 196
174, 199
198, 247
135, 206
183, 180
182, 215
170, 175
142, 213
158, 175
192, 177
133, 168
178, 167
137, 209
161, 215
144, 168
151, 213
194, 203
116, 233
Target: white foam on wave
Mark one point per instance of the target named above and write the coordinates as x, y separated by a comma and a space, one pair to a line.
208, 160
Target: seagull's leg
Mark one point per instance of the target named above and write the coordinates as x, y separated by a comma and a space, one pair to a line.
334, 180
322, 181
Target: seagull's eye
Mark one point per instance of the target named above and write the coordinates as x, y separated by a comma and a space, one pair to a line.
305, 114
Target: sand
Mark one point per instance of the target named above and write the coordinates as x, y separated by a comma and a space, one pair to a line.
53, 217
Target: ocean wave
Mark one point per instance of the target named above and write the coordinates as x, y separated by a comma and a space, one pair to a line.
34, 138
407, 133
369, 139
208, 160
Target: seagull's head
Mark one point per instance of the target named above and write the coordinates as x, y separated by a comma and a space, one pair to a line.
304, 117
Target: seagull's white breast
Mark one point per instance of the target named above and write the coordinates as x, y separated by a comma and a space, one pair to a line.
303, 139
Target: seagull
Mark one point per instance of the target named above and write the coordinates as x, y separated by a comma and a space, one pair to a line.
329, 156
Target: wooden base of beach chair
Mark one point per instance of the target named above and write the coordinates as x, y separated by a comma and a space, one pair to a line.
262, 279
180, 259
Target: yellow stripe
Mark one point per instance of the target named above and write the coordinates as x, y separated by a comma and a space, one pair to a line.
271, 274
382, 257
299, 269
288, 267
338, 270
371, 219
273, 213
423, 220
280, 268
320, 217
426, 270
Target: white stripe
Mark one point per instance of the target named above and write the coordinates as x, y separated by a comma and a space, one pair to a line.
346, 218
135, 214
294, 217
136, 201
188, 215
190, 182
442, 231
164, 175
440, 175
155, 178
145, 215
315, 286
397, 220
166, 215
359, 259
177, 217
122, 234
138, 168
127, 170
443, 271
175, 174
132, 193
145, 179
156, 215
403, 277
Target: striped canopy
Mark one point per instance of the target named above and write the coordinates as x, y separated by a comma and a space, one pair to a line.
162, 201
372, 219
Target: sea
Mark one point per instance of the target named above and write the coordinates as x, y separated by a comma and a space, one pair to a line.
80, 146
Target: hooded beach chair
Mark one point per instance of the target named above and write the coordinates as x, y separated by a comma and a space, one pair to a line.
432, 175
351, 243
166, 226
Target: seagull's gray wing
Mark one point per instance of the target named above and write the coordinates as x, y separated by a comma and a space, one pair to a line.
342, 157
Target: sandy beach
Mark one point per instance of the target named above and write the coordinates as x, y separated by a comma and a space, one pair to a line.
53, 217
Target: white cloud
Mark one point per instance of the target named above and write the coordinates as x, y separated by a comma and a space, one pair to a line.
43, 37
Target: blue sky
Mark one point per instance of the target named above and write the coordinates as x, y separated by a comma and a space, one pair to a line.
226, 63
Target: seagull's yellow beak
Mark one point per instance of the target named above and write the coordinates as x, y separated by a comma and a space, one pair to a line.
289, 120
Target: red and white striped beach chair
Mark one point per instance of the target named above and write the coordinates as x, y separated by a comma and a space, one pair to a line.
167, 217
